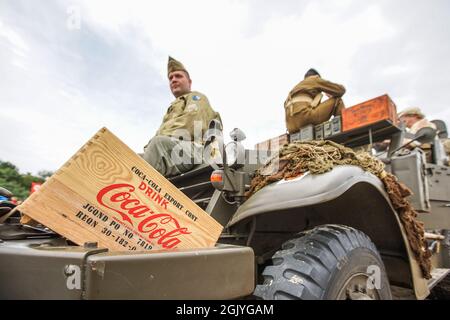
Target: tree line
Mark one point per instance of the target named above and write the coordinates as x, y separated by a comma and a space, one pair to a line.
19, 184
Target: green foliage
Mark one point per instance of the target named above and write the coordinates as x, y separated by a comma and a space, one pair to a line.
19, 184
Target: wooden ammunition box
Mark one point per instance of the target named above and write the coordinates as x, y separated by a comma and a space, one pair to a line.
319, 131
372, 111
107, 194
307, 133
327, 129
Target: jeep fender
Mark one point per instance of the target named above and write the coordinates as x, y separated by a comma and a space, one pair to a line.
346, 195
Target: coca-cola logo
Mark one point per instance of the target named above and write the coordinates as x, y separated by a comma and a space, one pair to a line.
119, 198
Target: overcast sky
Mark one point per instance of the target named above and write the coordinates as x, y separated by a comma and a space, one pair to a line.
68, 68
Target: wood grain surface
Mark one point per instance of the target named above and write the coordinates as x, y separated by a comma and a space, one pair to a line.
106, 193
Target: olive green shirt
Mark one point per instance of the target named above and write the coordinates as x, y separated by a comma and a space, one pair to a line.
184, 112
314, 85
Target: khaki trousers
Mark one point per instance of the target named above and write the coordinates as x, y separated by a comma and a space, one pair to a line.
304, 115
171, 156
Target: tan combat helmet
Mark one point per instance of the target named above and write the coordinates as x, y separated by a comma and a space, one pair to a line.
412, 112
175, 65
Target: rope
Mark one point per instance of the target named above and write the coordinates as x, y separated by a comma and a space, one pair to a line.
318, 157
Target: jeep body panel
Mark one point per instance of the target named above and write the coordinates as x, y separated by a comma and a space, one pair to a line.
223, 272
51, 269
346, 195
305, 190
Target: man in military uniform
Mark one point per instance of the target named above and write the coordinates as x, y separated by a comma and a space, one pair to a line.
178, 144
414, 119
304, 104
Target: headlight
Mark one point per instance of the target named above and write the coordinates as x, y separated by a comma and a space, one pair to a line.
235, 154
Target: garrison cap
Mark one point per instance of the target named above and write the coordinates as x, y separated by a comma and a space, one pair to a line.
412, 112
312, 72
175, 65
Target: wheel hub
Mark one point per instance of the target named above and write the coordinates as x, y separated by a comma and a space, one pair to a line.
357, 288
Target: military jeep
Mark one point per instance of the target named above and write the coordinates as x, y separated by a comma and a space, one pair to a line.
330, 236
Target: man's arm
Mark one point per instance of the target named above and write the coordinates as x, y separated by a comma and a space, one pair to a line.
330, 88
204, 112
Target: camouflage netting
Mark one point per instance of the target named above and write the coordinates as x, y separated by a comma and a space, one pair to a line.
319, 157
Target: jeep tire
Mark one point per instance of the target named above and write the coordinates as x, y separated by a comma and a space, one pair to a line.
326, 263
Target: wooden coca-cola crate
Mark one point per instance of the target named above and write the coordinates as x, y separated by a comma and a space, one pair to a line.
273, 144
107, 194
372, 111
265, 145
278, 142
